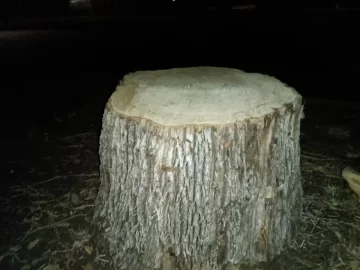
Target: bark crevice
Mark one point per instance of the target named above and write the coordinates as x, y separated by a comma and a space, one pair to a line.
201, 196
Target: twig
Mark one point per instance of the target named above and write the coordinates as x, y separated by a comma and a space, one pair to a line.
50, 226
102, 260
11, 251
48, 180
313, 154
82, 207
83, 174
322, 159
333, 176
79, 135
62, 176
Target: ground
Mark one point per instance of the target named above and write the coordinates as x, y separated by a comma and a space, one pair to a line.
51, 172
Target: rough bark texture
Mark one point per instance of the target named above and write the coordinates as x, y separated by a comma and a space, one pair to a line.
198, 197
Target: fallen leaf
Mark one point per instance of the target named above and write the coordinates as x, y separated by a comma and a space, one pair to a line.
33, 244
52, 267
88, 266
77, 244
88, 249
354, 265
75, 198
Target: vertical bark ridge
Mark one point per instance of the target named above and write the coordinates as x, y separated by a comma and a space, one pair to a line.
212, 195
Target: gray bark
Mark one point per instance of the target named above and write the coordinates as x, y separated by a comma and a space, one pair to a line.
198, 197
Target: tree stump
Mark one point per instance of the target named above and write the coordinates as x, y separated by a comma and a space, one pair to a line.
200, 169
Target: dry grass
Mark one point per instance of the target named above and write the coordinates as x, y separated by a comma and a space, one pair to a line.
47, 211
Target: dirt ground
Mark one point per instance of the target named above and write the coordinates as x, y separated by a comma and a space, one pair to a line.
50, 179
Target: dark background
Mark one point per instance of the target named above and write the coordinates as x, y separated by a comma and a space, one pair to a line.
78, 56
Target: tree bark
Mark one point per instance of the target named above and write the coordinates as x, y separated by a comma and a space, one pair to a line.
204, 195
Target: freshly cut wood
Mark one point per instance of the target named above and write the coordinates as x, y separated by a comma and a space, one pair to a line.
200, 169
